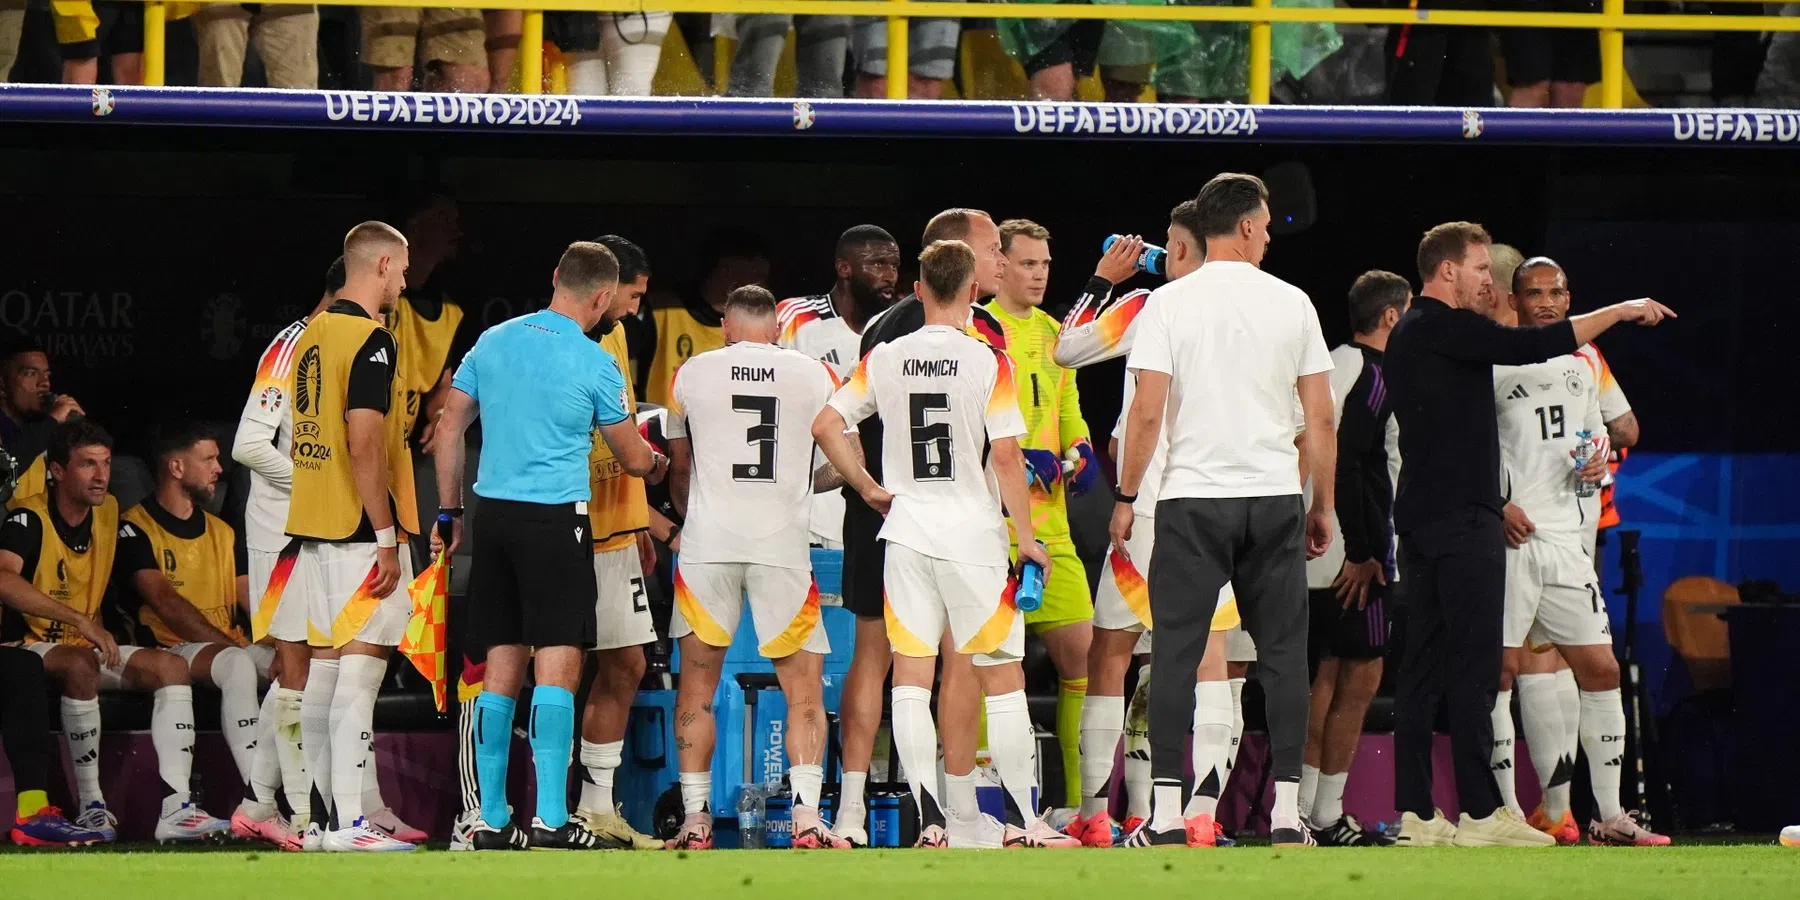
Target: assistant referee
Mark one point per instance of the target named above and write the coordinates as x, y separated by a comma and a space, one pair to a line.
1440, 375
543, 388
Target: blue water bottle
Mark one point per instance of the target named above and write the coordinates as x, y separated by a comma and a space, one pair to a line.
884, 820
1030, 594
1150, 260
778, 819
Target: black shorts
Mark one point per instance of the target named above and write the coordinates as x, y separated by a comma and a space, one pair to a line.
1339, 633
121, 30
531, 580
865, 558
574, 32
1079, 47
1537, 55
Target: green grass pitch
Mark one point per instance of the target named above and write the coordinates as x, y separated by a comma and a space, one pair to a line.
1579, 873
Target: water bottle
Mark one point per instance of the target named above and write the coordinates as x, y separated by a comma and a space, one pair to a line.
1584, 453
1030, 593
884, 820
1150, 260
778, 818
750, 816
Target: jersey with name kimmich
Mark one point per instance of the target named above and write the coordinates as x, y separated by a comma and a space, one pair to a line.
944, 395
811, 325
747, 410
1542, 407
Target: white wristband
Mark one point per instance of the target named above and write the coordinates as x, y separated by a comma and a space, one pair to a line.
385, 538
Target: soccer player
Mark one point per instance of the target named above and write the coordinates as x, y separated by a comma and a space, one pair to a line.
542, 387
745, 504
352, 503
1055, 431
828, 327
959, 707
58, 547
1097, 329
947, 564
729, 259
29, 411
1553, 595
264, 440
1349, 586
181, 563
618, 516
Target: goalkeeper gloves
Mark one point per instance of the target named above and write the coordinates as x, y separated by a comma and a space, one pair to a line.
1087, 468
1043, 469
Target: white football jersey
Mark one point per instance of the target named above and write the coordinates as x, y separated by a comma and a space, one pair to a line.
943, 395
269, 416
1542, 407
811, 325
753, 406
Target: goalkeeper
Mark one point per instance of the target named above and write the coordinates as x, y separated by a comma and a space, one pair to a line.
1060, 459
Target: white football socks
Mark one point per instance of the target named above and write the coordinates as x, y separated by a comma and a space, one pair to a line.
1167, 806
851, 808
1568, 693
1237, 722
960, 799
696, 792
352, 731
807, 781
1211, 745
265, 760
172, 732
1500, 756
601, 761
915, 737
1015, 751
1286, 812
1102, 724
1138, 781
295, 783
1328, 805
1540, 714
1309, 789
81, 724
1603, 737
234, 673
315, 732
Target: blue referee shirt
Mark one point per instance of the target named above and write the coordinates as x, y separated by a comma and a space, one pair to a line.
543, 388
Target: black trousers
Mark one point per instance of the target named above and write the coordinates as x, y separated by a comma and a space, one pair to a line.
1453, 585
1441, 65
1257, 544
25, 718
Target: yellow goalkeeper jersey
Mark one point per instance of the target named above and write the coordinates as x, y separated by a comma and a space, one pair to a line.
1050, 404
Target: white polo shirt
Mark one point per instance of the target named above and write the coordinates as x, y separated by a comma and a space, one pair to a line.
1232, 339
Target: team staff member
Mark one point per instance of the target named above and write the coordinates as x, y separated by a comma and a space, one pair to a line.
1349, 584
673, 332
176, 557
619, 516
58, 548
352, 504
29, 411
959, 702
543, 388
828, 327
1224, 352
1054, 429
1439, 367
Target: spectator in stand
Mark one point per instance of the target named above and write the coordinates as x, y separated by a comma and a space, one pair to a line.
29, 411
930, 61
12, 26
820, 43
1549, 66
286, 38
86, 31
611, 54
454, 45
1440, 65
1056, 53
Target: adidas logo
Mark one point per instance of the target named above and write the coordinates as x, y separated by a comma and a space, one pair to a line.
380, 356
1519, 393
831, 357
87, 757
1503, 765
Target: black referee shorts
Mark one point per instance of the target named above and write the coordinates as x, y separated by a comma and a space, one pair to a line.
531, 579
865, 558
1339, 633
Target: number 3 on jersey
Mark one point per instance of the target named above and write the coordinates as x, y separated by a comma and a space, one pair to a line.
934, 459
762, 436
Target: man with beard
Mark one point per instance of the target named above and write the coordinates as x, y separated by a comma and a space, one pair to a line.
828, 327
184, 564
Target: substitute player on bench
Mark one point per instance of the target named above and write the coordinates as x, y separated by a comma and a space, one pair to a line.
748, 521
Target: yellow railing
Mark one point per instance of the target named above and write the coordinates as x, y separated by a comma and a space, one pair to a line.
1612, 22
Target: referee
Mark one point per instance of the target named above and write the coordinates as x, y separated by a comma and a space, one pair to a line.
1439, 368
543, 387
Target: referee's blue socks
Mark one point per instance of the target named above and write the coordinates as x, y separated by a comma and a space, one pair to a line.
552, 743
493, 746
